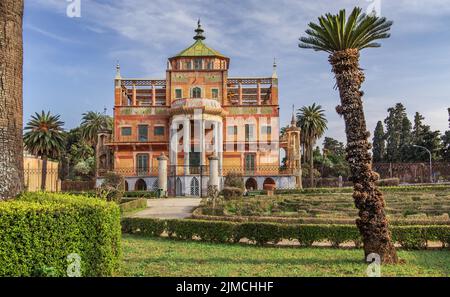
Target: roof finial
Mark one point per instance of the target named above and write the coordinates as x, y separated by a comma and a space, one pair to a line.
199, 32
293, 121
274, 73
118, 70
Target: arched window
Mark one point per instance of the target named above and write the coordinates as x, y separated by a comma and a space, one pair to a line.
195, 187
178, 187
196, 92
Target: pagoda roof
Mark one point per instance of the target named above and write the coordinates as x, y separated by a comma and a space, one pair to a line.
199, 49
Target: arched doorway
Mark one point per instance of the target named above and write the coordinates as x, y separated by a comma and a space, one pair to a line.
178, 187
140, 185
251, 184
269, 183
126, 185
195, 187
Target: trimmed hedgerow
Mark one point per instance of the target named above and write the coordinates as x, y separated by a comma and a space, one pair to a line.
39, 230
144, 226
350, 189
140, 194
410, 237
133, 204
261, 233
190, 229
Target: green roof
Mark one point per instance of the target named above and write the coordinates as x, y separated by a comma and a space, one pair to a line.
199, 49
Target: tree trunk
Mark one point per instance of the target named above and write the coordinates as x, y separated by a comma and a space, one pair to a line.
311, 165
44, 173
372, 222
11, 62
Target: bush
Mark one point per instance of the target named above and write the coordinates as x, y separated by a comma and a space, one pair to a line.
260, 233
133, 205
388, 182
144, 226
232, 193
410, 237
234, 180
112, 187
140, 194
39, 230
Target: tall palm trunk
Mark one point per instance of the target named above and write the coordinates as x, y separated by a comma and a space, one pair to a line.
372, 222
311, 165
44, 172
11, 61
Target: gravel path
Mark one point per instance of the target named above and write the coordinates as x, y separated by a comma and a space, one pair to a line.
169, 208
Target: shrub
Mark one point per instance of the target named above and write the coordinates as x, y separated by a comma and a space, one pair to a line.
144, 226
260, 233
112, 187
388, 182
232, 193
140, 194
234, 180
39, 230
133, 204
410, 237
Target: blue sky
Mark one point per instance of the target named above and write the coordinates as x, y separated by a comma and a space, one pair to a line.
69, 63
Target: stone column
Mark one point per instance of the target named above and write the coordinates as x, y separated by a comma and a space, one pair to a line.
213, 172
202, 142
220, 152
186, 143
162, 174
173, 145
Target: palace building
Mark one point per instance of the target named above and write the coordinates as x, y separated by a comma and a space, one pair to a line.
196, 114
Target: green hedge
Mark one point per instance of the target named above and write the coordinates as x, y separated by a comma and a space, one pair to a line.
39, 230
140, 194
350, 189
132, 204
410, 237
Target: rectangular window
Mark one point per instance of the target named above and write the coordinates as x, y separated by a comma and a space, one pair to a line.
232, 130
158, 131
126, 131
210, 65
215, 93
178, 93
142, 164
188, 65
249, 163
248, 132
266, 130
198, 64
143, 133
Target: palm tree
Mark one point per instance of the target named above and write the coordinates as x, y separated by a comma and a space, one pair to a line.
11, 61
92, 123
44, 137
312, 121
343, 39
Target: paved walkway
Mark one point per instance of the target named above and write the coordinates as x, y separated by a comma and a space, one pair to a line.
169, 208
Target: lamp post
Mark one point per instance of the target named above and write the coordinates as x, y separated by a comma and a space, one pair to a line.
429, 153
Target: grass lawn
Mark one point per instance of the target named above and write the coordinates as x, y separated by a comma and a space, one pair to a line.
165, 257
